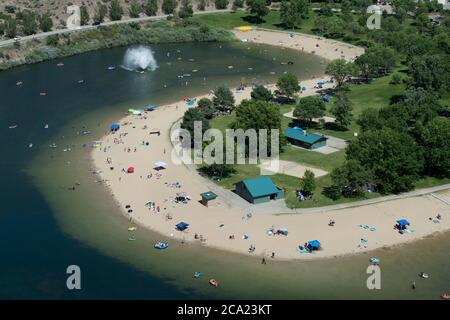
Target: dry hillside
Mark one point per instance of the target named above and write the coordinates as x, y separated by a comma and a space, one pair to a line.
58, 8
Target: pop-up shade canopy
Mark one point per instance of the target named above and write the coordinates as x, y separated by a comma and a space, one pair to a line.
115, 127
151, 107
159, 164
403, 223
314, 244
182, 226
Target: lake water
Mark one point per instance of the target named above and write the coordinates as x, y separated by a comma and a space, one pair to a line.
46, 227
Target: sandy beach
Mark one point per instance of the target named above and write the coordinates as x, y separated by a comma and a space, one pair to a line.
356, 229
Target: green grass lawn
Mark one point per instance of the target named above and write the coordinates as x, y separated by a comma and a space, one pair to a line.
376, 94
241, 18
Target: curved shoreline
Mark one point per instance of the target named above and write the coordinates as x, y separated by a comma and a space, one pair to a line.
342, 239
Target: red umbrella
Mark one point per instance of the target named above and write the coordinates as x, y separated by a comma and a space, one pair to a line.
130, 170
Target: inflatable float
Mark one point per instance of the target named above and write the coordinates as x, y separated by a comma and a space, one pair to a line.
214, 282
161, 245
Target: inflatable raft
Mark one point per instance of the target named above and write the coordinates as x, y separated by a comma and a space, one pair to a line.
214, 282
161, 245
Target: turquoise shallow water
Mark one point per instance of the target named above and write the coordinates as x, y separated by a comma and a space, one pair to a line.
45, 227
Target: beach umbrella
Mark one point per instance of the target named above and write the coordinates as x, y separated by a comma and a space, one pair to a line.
151, 107
130, 170
115, 127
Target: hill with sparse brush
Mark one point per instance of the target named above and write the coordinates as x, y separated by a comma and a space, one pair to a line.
24, 17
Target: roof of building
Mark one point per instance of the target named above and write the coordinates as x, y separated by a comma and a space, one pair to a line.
209, 195
299, 134
260, 186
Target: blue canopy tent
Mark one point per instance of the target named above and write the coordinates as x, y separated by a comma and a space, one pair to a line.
313, 245
151, 107
182, 226
326, 98
115, 127
402, 224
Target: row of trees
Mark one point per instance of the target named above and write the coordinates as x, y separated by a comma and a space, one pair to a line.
409, 139
29, 22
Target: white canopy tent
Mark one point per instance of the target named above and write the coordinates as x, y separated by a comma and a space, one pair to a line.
159, 165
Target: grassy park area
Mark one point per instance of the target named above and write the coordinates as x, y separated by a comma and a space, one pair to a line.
239, 18
383, 93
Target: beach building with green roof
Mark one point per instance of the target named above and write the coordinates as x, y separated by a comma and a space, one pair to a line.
258, 190
299, 137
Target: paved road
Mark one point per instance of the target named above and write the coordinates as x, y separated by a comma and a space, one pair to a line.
10, 42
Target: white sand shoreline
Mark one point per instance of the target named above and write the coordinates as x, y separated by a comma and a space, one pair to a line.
343, 239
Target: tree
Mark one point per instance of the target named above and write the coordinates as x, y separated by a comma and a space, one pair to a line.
201, 5
52, 40
206, 106
100, 13
325, 10
258, 8
331, 27
421, 105
186, 10
288, 85
369, 119
435, 140
308, 183
340, 71
221, 4
84, 16
376, 60
10, 27
393, 157
238, 3
45, 22
190, 117
151, 8
258, 115
223, 99
292, 11
309, 108
346, 6
260, 92
115, 10
351, 179
168, 6
29, 23
217, 170
135, 9
342, 109
423, 22
430, 72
